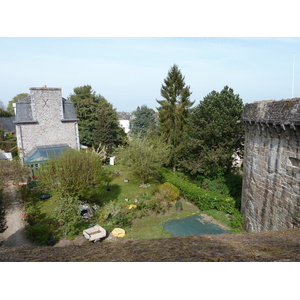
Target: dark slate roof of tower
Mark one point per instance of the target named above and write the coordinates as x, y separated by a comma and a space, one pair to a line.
24, 112
282, 112
69, 111
8, 124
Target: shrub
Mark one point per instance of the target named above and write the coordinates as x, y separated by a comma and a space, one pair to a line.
113, 214
204, 199
74, 173
68, 215
215, 185
38, 233
236, 221
169, 191
178, 206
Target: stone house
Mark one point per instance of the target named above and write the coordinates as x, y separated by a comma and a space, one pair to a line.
271, 166
46, 123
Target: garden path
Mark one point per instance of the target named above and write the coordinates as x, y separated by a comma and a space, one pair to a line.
14, 235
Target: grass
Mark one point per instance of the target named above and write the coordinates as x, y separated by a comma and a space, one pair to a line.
151, 227
121, 190
221, 216
148, 227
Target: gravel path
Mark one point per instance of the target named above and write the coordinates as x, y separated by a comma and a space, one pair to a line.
14, 235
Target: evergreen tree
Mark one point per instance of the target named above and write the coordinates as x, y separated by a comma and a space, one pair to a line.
215, 133
98, 122
107, 131
174, 111
86, 103
144, 120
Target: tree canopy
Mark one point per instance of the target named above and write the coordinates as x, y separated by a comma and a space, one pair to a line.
98, 122
145, 156
174, 111
86, 102
14, 100
215, 133
107, 131
144, 120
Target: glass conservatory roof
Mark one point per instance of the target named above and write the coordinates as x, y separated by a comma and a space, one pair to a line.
44, 153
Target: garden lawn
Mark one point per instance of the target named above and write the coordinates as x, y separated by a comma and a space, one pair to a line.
151, 227
121, 190
147, 227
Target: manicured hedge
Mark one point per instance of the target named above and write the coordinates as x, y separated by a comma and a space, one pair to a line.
204, 199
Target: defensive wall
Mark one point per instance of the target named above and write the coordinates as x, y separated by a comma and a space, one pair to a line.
271, 166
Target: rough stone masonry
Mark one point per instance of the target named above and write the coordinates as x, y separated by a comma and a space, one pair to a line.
45, 118
271, 180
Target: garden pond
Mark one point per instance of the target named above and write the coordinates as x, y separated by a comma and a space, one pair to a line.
193, 225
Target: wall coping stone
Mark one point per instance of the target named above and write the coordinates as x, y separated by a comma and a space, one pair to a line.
282, 112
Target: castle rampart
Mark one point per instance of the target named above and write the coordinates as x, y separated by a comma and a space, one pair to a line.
271, 180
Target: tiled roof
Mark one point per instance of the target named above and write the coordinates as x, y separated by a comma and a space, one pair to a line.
7, 124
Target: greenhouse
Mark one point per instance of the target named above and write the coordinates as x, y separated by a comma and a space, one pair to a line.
42, 154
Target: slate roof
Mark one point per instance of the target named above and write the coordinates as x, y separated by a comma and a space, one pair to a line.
69, 111
24, 112
282, 112
8, 124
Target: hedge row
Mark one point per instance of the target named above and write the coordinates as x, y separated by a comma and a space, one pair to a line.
204, 199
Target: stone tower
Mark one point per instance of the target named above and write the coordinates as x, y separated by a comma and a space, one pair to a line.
271, 180
45, 118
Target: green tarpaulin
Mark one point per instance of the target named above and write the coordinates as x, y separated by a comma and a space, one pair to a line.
194, 225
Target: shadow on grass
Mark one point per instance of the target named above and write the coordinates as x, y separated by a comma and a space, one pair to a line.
234, 183
112, 194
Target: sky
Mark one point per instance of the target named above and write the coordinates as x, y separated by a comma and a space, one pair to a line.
129, 71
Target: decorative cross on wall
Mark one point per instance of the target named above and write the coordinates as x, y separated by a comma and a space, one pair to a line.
45, 101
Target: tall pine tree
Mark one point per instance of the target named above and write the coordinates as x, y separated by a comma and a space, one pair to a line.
174, 111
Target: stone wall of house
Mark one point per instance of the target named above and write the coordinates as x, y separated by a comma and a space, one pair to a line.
49, 129
271, 180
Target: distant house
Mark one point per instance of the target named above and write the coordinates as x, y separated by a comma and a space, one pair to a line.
124, 121
46, 124
7, 124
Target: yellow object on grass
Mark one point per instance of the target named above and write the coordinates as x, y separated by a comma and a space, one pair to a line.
131, 206
118, 232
